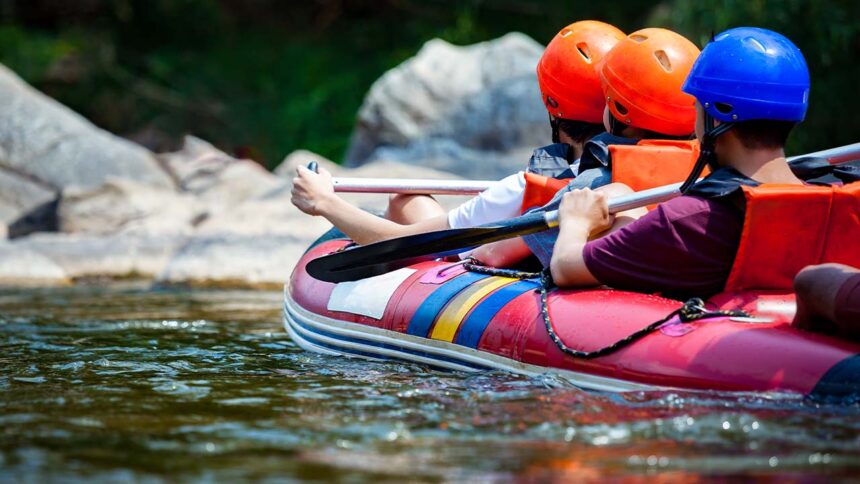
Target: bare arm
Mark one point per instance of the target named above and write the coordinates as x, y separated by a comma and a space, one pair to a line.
313, 194
582, 213
503, 253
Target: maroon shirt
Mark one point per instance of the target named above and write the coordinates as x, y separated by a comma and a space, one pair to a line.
683, 248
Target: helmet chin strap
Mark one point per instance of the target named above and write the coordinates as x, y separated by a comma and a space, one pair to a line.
707, 150
553, 122
615, 125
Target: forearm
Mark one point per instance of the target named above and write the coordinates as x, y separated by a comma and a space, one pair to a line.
504, 253
365, 228
567, 266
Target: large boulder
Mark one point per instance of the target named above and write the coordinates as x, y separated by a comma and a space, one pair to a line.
125, 206
482, 97
23, 266
235, 261
45, 140
217, 178
112, 256
25, 204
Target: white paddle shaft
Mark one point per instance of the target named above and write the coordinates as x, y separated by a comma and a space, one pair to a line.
473, 187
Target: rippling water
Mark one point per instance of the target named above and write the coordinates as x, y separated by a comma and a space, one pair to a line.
127, 383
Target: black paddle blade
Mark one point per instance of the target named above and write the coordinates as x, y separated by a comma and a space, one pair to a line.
375, 259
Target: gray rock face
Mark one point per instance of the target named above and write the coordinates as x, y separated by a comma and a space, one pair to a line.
23, 266
124, 206
479, 98
25, 205
113, 256
49, 142
217, 178
236, 260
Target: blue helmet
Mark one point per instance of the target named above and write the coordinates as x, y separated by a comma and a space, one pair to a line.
750, 73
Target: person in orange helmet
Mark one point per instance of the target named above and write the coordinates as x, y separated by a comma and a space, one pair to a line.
649, 122
571, 92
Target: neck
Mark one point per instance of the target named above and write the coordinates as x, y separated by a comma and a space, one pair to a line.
762, 165
575, 148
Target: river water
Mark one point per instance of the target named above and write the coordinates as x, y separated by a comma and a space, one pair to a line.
123, 382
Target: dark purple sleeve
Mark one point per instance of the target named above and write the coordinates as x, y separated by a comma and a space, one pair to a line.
683, 248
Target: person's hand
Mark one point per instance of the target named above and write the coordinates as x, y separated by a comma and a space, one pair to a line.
586, 208
311, 190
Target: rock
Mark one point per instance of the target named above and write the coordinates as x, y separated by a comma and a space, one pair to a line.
235, 261
287, 168
124, 206
270, 217
216, 177
43, 139
114, 256
25, 205
445, 155
482, 97
20, 266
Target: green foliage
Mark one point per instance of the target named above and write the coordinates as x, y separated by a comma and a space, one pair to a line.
826, 31
266, 77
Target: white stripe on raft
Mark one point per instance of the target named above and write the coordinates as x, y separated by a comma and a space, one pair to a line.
295, 317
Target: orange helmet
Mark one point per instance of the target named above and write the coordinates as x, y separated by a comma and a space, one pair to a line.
642, 78
567, 71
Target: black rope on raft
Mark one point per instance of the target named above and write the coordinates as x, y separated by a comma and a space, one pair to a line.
692, 310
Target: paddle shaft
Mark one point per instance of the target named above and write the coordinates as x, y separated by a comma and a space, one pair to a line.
409, 186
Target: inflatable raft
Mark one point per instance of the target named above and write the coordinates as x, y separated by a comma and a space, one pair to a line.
440, 314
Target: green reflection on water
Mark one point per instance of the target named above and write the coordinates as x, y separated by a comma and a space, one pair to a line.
124, 382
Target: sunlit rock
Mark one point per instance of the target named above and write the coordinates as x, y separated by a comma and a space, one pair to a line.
235, 261
482, 97
113, 256
23, 266
124, 206
25, 205
215, 177
45, 140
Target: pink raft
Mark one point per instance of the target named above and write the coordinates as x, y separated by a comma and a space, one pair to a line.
439, 314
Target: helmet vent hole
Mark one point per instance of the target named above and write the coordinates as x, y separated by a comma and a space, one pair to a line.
582, 47
755, 44
566, 32
638, 38
724, 108
663, 59
621, 109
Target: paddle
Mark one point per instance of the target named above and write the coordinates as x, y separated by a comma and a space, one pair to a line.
406, 186
375, 259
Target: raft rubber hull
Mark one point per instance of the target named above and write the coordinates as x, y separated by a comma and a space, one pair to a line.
437, 314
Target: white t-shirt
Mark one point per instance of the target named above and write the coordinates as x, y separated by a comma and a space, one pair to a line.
501, 201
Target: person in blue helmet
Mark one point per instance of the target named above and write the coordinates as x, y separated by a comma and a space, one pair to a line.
751, 87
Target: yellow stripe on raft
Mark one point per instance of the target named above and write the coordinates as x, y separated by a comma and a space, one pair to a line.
450, 319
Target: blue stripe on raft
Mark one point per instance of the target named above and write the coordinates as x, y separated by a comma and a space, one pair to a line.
423, 318
473, 328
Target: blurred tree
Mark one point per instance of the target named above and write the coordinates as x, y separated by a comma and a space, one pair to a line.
826, 31
264, 77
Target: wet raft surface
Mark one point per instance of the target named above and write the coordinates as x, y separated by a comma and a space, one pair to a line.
124, 383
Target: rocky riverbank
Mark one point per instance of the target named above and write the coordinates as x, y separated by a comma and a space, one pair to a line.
78, 203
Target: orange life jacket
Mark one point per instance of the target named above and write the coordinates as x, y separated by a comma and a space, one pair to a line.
788, 227
653, 162
647, 164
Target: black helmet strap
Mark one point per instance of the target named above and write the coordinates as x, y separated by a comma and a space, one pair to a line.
553, 122
707, 150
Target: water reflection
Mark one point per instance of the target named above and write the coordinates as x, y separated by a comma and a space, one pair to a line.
126, 383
